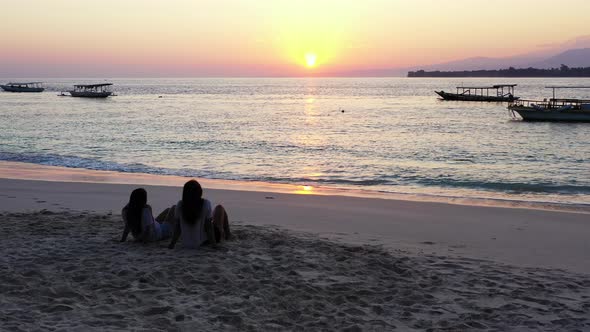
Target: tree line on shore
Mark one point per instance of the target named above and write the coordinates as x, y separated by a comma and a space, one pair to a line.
563, 71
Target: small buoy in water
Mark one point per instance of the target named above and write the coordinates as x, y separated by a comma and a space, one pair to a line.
342, 111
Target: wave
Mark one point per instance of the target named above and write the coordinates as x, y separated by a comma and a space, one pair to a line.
95, 164
336, 181
382, 181
509, 187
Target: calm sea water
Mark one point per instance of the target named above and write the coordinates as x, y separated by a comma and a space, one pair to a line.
376, 134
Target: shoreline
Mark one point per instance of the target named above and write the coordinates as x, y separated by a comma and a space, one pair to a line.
30, 171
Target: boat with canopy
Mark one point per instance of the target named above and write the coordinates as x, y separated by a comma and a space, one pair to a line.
23, 87
102, 90
554, 109
494, 93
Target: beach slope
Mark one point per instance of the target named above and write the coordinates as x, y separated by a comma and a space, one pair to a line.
67, 270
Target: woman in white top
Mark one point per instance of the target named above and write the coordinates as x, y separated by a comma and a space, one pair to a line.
196, 222
140, 221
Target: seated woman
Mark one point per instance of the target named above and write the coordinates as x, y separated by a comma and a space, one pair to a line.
140, 221
196, 222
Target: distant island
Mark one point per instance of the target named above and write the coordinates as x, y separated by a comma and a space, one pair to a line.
563, 71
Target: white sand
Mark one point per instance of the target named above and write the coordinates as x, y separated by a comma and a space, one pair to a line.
412, 265
68, 271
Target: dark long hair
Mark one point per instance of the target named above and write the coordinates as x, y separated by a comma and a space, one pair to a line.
137, 202
192, 201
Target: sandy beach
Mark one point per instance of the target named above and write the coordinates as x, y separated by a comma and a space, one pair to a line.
295, 166
313, 262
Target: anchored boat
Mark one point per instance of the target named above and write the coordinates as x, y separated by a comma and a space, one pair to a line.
92, 90
494, 93
554, 109
23, 87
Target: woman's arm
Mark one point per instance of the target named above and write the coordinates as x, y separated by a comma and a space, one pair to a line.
175, 235
125, 233
209, 225
175, 222
126, 230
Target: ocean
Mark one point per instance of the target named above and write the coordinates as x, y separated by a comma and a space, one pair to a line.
386, 135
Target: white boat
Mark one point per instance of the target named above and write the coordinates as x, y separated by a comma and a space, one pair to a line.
92, 90
23, 87
554, 109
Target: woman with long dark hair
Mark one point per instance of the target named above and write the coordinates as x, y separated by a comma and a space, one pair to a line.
196, 222
140, 221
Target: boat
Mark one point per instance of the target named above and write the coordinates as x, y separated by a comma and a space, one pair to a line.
494, 93
554, 109
23, 87
92, 90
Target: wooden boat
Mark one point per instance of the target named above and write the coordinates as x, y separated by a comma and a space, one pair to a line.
23, 87
554, 109
92, 90
499, 93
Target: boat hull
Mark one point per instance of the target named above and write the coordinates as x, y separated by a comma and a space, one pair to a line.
531, 114
463, 97
9, 88
87, 94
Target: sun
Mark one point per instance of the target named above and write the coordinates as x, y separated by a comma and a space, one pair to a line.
310, 59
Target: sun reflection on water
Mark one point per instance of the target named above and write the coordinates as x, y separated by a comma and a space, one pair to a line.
305, 190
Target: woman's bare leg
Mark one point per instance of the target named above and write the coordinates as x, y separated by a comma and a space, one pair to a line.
170, 215
162, 216
167, 216
221, 222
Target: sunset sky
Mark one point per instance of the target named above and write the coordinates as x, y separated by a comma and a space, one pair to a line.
271, 37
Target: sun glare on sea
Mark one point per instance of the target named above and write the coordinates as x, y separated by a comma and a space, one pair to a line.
304, 190
310, 59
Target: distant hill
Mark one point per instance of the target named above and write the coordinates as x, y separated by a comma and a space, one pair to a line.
573, 53
569, 63
562, 71
484, 63
573, 58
